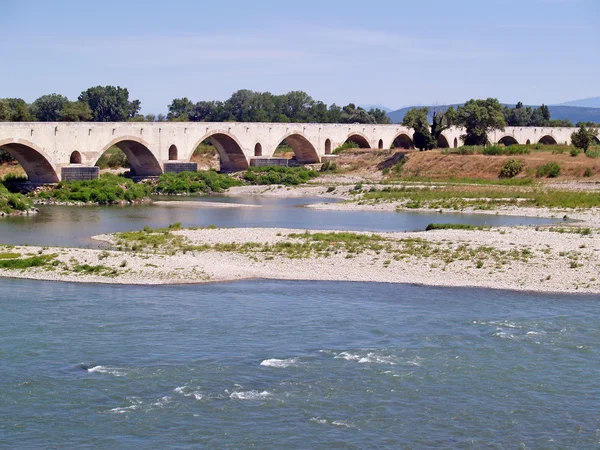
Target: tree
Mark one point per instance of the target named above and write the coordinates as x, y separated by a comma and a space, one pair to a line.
584, 137
47, 108
441, 121
479, 117
180, 110
380, 116
4, 111
16, 110
416, 119
110, 104
75, 112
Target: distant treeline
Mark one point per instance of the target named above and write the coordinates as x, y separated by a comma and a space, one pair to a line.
526, 116
112, 104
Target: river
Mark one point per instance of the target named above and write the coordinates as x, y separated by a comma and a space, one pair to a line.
70, 226
262, 364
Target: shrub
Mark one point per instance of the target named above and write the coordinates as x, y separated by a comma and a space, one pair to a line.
587, 173
13, 177
328, 166
279, 175
194, 182
575, 152
345, 146
107, 189
113, 158
510, 150
593, 154
469, 149
511, 168
13, 202
551, 170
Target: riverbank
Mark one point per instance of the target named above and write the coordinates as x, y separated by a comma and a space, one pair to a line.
547, 259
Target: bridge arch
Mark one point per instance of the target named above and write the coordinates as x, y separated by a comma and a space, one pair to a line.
402, 140
258, 149
359, 139
455, 142
442, 142
32, 159
328, 146
547, 140
305, 152
142, 161
173, 153
528, 142
230, 151
508, 141
75, 158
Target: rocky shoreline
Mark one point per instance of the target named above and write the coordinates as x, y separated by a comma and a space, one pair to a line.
523, 258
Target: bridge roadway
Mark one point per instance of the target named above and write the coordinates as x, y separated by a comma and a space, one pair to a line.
44, 149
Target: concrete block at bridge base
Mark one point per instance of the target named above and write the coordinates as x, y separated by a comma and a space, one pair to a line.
330, 158
262, 162
79, 173
178, 167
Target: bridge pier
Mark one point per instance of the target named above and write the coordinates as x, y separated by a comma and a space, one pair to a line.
79, 173
180, 166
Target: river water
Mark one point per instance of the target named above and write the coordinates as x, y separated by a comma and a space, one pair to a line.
262, 364
72, 226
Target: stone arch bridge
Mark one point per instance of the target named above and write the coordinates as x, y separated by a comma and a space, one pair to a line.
46, 149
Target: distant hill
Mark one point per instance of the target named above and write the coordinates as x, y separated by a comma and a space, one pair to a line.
370, 106
593, 102
573, 113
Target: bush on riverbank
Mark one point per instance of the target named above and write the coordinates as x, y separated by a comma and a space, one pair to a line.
10, 202
289, 176
551, 170
108, 189
511, 168
113, 158
194, 182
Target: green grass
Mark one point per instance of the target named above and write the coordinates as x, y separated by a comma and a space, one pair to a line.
26, 263
527, 181
9, 255
483, 197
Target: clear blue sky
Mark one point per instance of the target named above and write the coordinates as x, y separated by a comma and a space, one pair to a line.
390, 52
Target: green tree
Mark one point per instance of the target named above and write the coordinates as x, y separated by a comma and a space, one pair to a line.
584, 137
380, 116
110, 104
180, 110
47, 108
16, 110
441, 121
75, 112
4, 111
417, 119
479, 117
